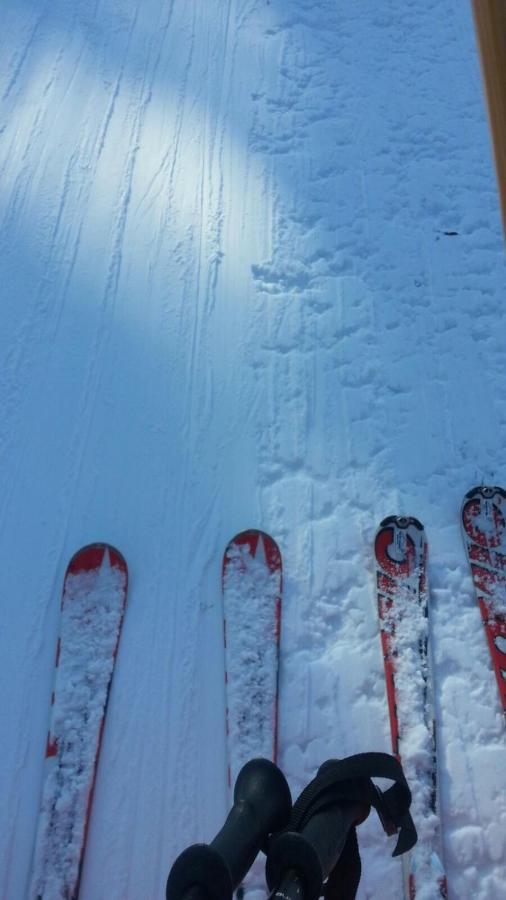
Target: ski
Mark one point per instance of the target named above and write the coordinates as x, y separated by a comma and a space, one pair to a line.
401, 582
251, 586
92, 608
483, 519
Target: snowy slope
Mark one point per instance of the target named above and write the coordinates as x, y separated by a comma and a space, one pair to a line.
251, 275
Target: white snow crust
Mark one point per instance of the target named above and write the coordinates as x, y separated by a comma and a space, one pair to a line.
251, 276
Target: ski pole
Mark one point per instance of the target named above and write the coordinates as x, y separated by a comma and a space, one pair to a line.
298, 863
262, 804
320, 842
310, 843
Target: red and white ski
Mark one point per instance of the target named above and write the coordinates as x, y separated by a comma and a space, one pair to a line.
92, 608
484, 531
252, 586
401, 580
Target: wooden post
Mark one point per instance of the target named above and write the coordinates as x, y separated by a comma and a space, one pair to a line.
490, 22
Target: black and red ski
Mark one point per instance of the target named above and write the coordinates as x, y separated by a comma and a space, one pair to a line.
92, 608
484, 531
401, 580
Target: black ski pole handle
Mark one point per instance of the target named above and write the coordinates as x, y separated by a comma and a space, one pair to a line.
262, 804
298, 863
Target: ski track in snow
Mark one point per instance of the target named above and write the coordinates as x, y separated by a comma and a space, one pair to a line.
252, 276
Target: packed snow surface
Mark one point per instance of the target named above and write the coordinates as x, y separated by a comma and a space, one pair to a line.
251, 274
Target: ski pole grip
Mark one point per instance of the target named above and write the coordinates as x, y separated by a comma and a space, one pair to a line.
312, 854
262, 804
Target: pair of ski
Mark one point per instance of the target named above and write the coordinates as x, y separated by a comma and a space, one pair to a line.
92, 609
402, 594
252, 591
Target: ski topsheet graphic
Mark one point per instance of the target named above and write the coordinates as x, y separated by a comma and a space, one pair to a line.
401, 578
484, 531
252, 585
93, 603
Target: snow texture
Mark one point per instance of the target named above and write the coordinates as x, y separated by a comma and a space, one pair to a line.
92, 611
251, 275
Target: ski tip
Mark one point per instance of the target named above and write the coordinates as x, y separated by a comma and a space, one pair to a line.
92, 556
401, 522
243, 537
485, 491
252, 538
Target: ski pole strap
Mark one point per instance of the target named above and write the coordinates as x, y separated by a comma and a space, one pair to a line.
346, 784
340, 780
